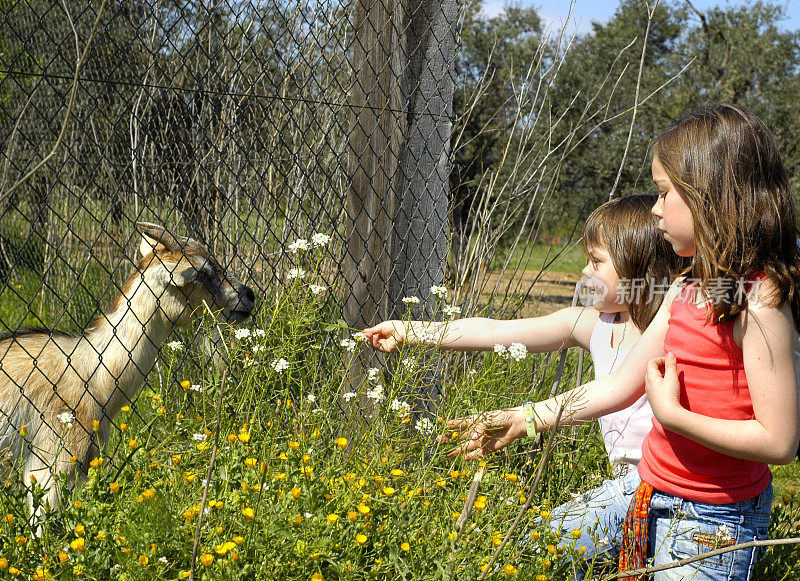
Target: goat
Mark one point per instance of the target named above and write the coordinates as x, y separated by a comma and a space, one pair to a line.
65, 389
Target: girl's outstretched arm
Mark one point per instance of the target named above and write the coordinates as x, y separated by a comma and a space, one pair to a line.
564, 328
484, 433
768, 343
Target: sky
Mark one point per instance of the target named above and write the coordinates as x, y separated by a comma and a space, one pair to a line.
555, 12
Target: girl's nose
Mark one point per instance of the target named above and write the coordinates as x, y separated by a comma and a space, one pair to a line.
656, 209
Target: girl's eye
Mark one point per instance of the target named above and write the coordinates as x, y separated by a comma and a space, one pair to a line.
662, 195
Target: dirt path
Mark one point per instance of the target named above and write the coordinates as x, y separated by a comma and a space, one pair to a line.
552, 290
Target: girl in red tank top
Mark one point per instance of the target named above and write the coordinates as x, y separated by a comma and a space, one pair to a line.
717, 361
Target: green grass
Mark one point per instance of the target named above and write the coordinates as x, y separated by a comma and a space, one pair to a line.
289, 498
566, 257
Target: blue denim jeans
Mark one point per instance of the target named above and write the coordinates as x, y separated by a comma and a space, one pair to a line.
681, 528
678, 529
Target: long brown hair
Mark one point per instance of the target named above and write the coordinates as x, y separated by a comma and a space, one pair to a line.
627, 229
727, 163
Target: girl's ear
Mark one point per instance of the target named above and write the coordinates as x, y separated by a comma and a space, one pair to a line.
148, 245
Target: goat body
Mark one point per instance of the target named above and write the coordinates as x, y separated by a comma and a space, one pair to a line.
60, 386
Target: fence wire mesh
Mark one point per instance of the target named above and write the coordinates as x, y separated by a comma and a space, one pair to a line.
247, 126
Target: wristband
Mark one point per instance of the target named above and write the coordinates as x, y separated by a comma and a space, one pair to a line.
528, 411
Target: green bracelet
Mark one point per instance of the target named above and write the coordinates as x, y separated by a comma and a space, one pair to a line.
529, 412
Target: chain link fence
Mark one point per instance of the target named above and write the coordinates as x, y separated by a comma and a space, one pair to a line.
243, 125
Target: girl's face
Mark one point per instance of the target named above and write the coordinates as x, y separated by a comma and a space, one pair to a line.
675, 217
602, 283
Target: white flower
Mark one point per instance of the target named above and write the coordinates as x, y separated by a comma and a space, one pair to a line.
249, 362
403, 409
451, 310
318, 411
358, 337
409, 363
517, 351
199, 437
299, 245
259, 332
439, 291
424, 426
348, 396
280, 365
427, 336
311, 397
317, 289
376, 393
500, 349
295, 273
163, 560
242, 333
724, 533
373, 374
66, 418
410, 300
258, 348
472, 371
175, 346
320, 239
348, 345
195, 387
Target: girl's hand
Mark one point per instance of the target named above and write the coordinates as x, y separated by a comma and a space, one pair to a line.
386, 336
485, 433
664, 389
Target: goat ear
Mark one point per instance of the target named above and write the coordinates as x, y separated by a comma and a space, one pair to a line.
148, 245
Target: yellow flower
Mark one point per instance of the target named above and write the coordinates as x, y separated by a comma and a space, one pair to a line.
149, 494
362, 508
96, 463
452, 535
576, 533
206, 559
535, 535
352, 515
295, 492
14, 571
244, 437
541, 577
123, 426
41, 574
294, 445
545, 515
231, 438
224, 548
188, 514
546, 564
96, 425
62, 557
186, 384
23, 431
455, 474
249, 513
80, 530
551, 549
396, 472
582, 550
280, 476
143, 560
316, 433
511, 477
78, 544
316, 577
188, 476
441, 482
405, 546
203, 446
250, 462
510, 570
238, 540
341, 443
297, 519
114, 486
388, 490
10, 518
33, 479
332, 518
361, 539
125, 408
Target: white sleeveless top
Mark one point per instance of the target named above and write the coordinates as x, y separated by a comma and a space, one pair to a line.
623, 431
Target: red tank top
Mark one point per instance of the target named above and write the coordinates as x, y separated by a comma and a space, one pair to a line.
713, 384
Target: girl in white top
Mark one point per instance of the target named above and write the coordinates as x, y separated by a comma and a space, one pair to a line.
629, 268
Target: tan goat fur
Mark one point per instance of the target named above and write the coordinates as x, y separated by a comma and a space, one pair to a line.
93, 374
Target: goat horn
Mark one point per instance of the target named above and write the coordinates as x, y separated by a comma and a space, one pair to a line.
160, 234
